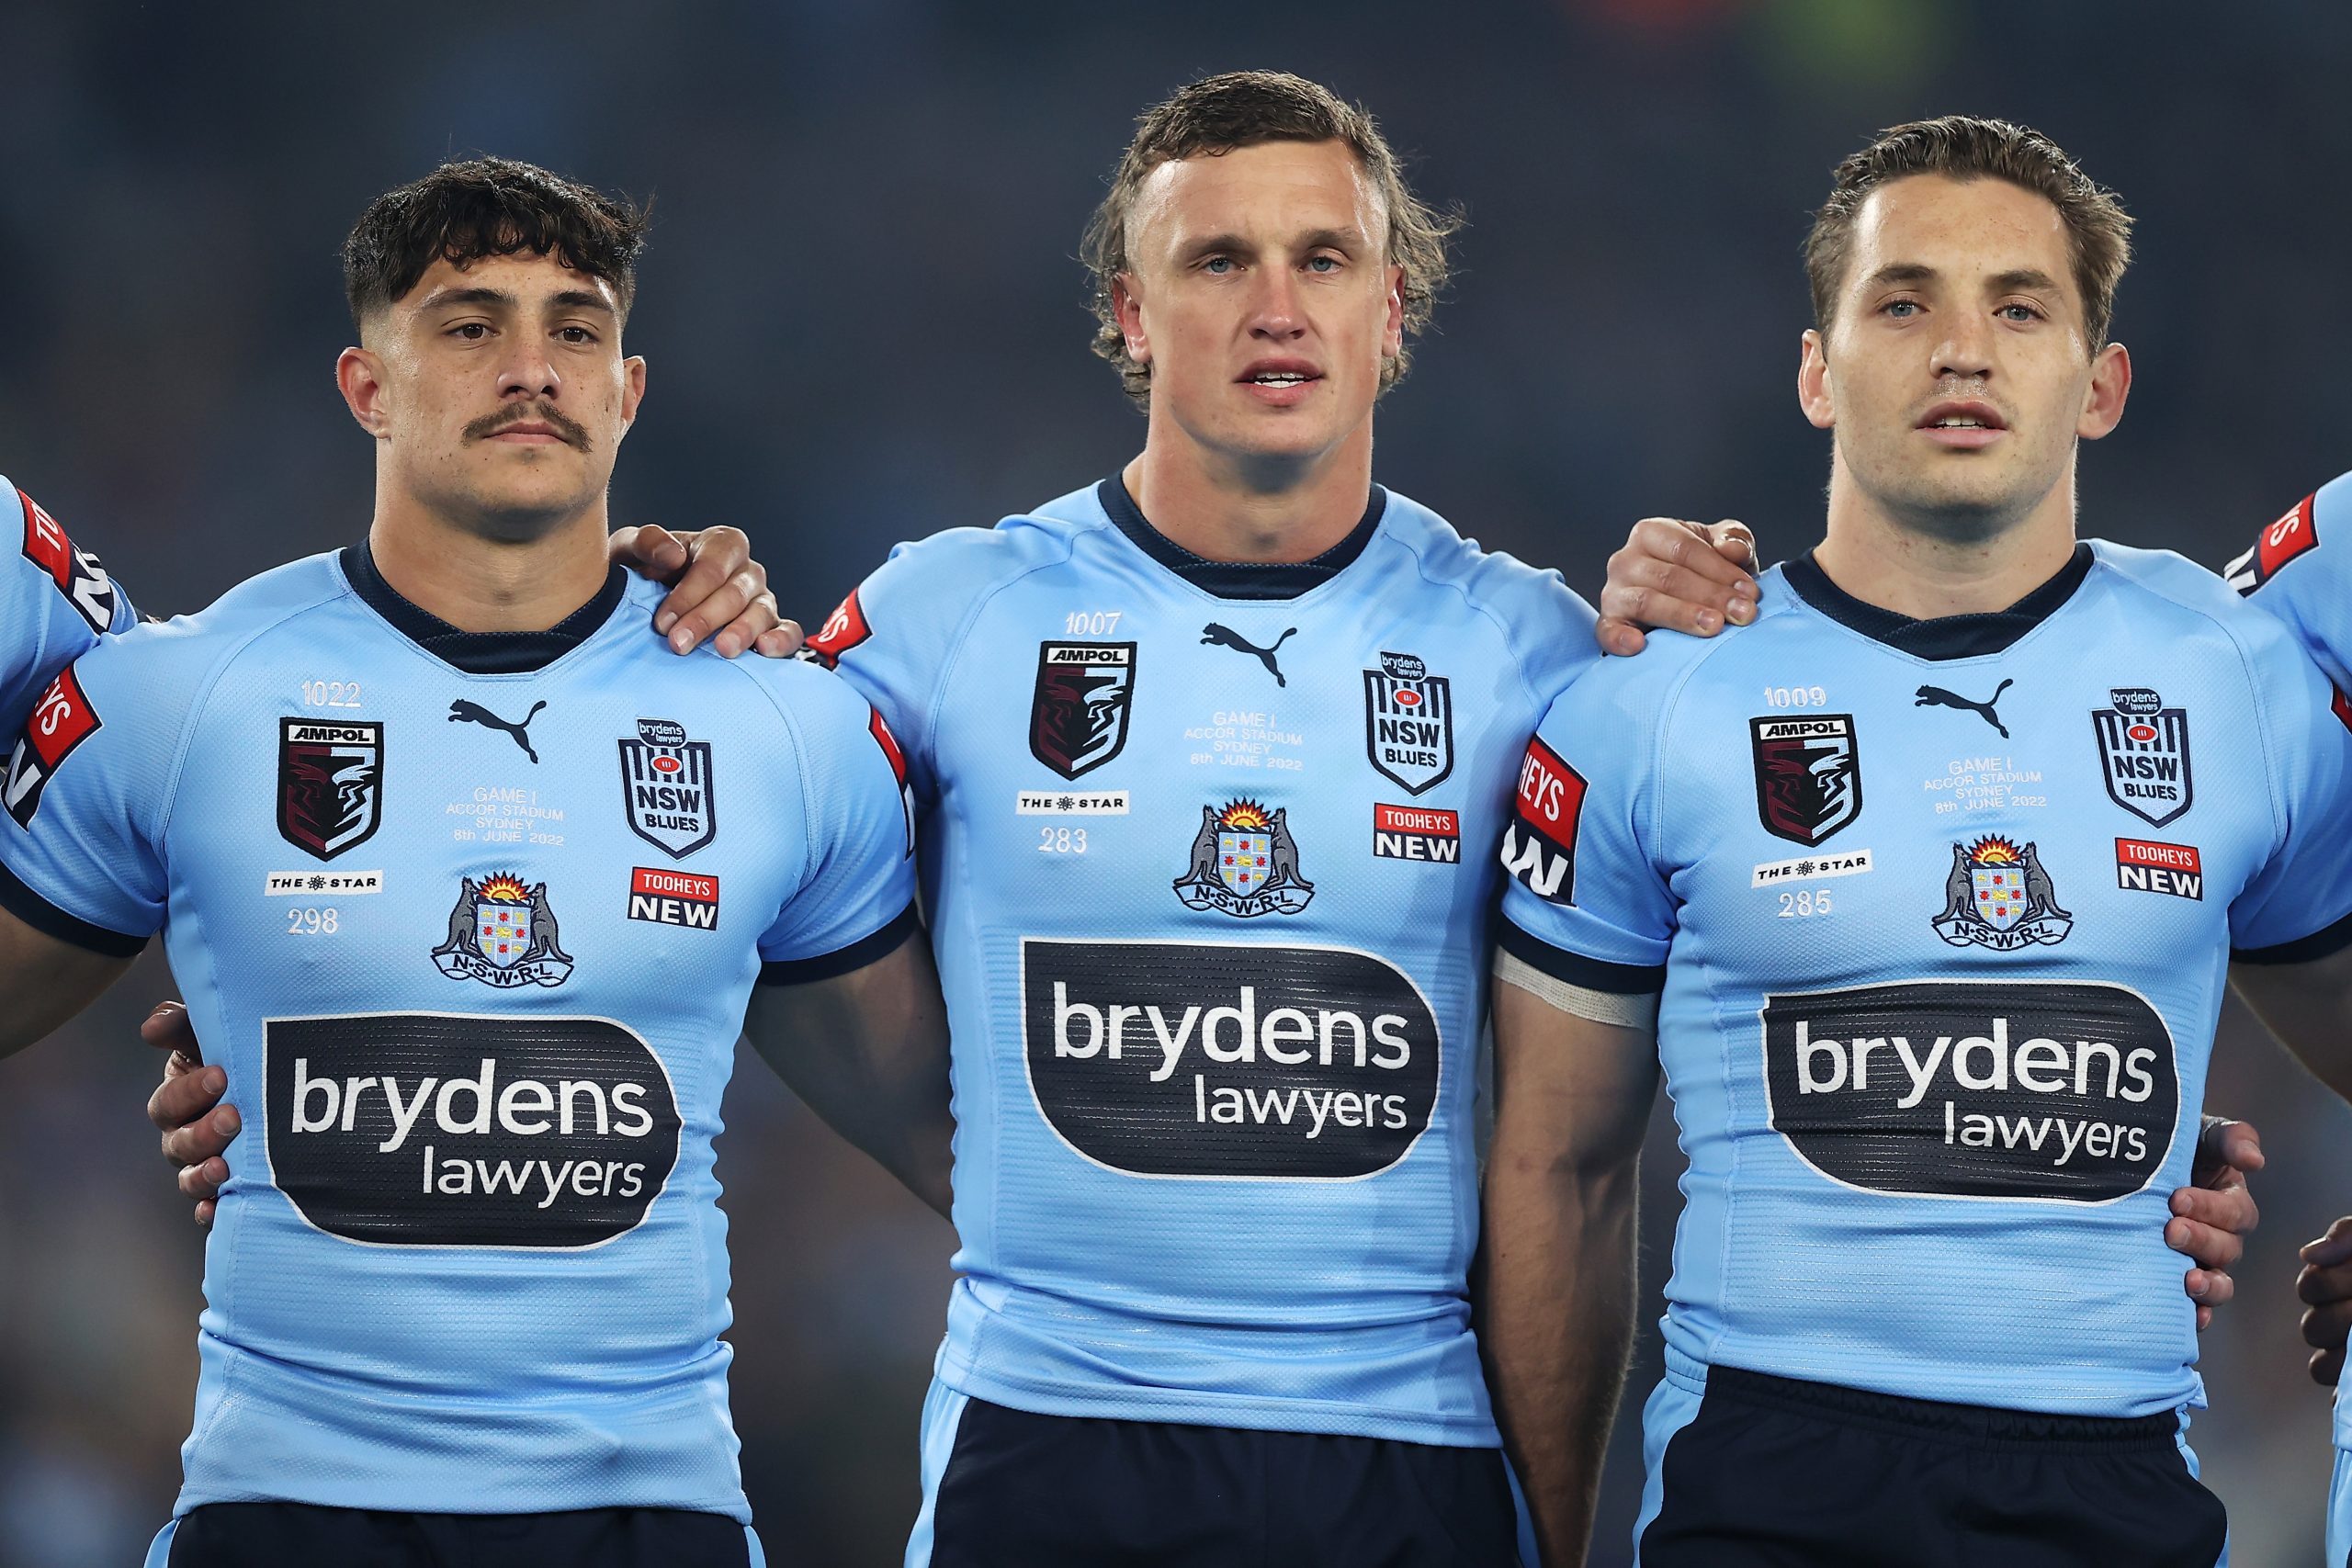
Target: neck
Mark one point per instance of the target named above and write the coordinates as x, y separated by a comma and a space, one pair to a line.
482, 583
1223, 508
1877, 556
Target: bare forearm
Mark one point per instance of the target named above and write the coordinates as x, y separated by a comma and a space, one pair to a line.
43, 982
869, 1054
1556, 1324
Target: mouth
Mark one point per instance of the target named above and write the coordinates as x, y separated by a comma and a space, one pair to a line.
1962, 427
531, 433
1279, 382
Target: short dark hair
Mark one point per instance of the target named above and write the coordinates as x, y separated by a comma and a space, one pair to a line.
1247, 108
463, 212
1967, 147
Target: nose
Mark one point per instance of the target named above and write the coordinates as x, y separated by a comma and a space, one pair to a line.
1274, 312
527, 372
1966, 350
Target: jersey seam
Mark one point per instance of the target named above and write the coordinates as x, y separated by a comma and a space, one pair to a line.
207, 687
1539, 702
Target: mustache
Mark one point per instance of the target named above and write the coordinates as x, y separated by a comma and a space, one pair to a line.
572, 432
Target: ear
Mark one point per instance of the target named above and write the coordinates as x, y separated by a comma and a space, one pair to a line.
1126, 304
632, 389
1392, 334
359, 374
2111, 386
1815, 393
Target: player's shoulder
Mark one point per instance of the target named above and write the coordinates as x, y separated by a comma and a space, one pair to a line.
2183, 596
2296, 539
973, 561
1545, 624
181, 653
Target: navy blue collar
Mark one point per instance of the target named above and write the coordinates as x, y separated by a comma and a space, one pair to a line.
1944, 637
1239, 579
481, 653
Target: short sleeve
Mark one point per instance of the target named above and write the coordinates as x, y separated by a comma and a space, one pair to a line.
56, 601
1585, 901
2298, 905
80, 854
855, 902
894, 634
2298, 570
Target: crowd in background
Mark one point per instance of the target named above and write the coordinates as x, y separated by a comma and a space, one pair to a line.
866, 322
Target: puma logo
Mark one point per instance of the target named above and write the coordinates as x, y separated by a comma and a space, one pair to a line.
464, 712
1936, 696
1225, 637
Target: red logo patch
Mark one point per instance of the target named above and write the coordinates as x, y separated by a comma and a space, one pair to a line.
673, 898
1417, 832
1540, 845
2145, 865
898, 760
78, 575
61, 719
2341, 707
842, 630
2281, 543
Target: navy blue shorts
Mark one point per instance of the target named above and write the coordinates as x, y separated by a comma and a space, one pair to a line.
1763, 1471
282, 1535
1018, 1490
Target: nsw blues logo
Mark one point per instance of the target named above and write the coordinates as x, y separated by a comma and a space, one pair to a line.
666, 789
2143, 753
1408, 722
502, 934
1078, 714
1245, 863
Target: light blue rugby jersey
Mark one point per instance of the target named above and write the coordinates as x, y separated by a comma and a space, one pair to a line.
472, 922
55, 601
2289, 571
1942, 912
1208, 857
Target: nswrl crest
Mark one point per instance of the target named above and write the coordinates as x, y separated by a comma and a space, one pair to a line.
1244, 863
1408, 722
667, 789
502, 934
1998, 896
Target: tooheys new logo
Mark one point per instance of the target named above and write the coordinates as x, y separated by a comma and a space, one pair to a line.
2019, 1088
1191, 1060
446, 1130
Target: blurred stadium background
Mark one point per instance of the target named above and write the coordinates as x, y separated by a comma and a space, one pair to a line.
865, 323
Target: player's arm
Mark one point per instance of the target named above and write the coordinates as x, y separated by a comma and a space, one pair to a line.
1684, 577
1555, 1295
44, 980
868, 1052
716, 586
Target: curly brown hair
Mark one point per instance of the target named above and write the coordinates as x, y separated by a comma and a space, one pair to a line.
1967, 147
1247, 108
463, 212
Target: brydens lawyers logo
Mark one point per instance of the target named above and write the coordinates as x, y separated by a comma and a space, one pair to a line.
667, 789
1245, 863
673, 898
1998, 896
1408, 722
1540, 845
61, 719
502, 934
1077, 712
76, 572
2278, 544
330, 784
1808, 775
1414, 832
2143, 753
1198, 1059
2060, 1091
453, 1130
842, 630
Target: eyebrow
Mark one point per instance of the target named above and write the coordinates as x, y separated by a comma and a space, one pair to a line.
2017, 280
570, 299
2025, 280
1313, 239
